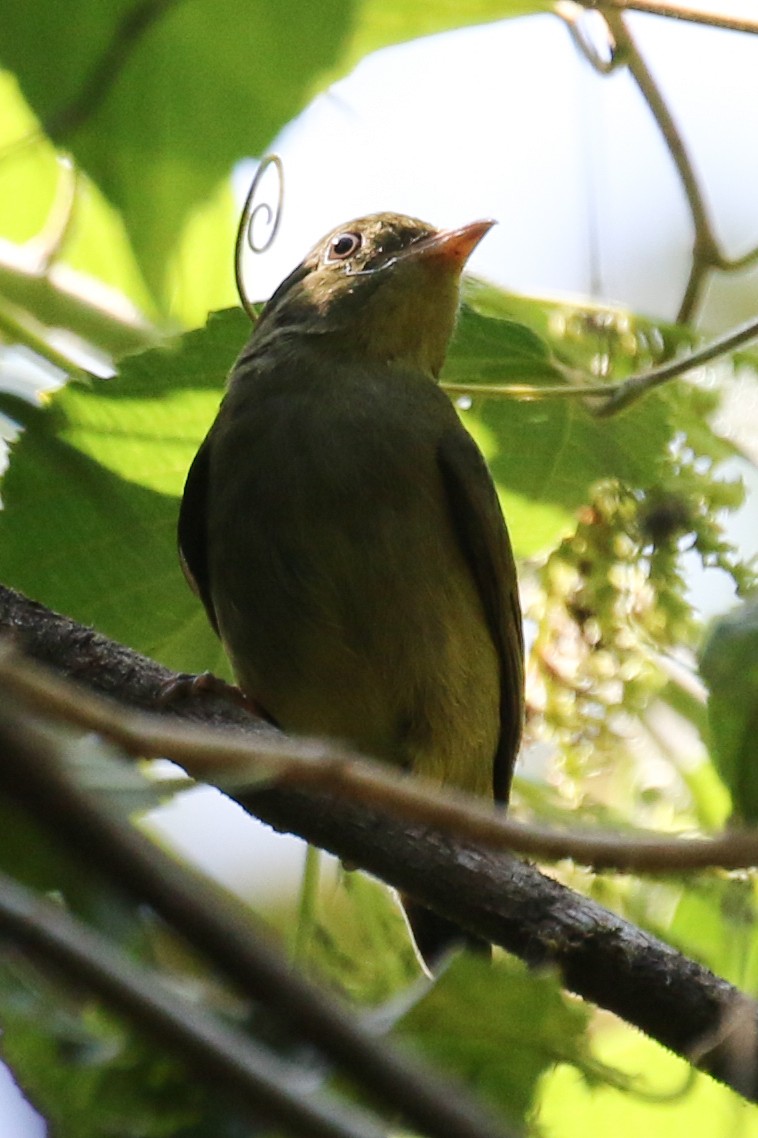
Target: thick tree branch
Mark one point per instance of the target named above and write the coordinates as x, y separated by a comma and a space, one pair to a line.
601, 956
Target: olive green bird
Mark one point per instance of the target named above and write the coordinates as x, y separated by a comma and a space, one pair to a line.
342, 529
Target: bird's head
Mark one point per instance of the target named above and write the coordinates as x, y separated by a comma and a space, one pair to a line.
385, 287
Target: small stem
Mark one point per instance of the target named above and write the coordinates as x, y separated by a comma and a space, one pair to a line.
615, 396
23, 333
675, 12
527, 391
306, 914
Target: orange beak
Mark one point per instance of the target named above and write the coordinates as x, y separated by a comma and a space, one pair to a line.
452, 246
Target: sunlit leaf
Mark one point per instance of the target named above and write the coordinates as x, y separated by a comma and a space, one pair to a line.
157, 102
498, 1027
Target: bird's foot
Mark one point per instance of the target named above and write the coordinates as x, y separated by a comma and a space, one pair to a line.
189, 685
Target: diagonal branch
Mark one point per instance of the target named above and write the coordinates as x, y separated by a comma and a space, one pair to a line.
707, 253
235, 762
601, 957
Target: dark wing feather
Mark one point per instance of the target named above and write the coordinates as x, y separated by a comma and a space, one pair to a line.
483, 536
193, 529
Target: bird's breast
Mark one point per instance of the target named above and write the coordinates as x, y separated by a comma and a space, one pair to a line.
342, 595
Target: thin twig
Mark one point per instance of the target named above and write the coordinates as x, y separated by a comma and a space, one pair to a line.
221, 1056
675, 12
706, 253
616, 396
233, 763
632, 388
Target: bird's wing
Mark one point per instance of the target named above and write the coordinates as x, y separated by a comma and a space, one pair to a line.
193, 530
481, 531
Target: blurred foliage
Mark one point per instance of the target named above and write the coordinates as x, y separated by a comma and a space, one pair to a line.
729, 665
607, 515
668, 1098
138, 96
85, 1072
478, 1013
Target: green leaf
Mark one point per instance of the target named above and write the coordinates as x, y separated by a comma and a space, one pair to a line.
91, 496
384, 22
156, 102
667, 1097
545, 455
729, 665
498, 1027
87, 1075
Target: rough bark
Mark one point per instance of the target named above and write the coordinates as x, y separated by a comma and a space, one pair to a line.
600, 956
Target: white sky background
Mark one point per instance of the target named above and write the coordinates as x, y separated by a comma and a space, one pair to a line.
507, 121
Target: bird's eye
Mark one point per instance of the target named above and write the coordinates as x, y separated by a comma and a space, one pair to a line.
343, 246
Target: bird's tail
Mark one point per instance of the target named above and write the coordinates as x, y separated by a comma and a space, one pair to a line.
436, 937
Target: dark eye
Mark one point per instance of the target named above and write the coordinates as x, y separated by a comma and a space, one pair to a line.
343, 245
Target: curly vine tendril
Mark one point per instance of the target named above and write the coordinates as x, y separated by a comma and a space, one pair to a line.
258, 219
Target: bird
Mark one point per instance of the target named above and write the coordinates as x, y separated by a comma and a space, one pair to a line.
342, 529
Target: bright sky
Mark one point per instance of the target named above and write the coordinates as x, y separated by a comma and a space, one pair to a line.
508, 121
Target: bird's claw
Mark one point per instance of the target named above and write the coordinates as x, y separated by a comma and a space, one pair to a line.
189, 685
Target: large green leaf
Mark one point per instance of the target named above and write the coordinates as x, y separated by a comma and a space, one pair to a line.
384, 22
91, 496
156, 102
499, 1028
729, 665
